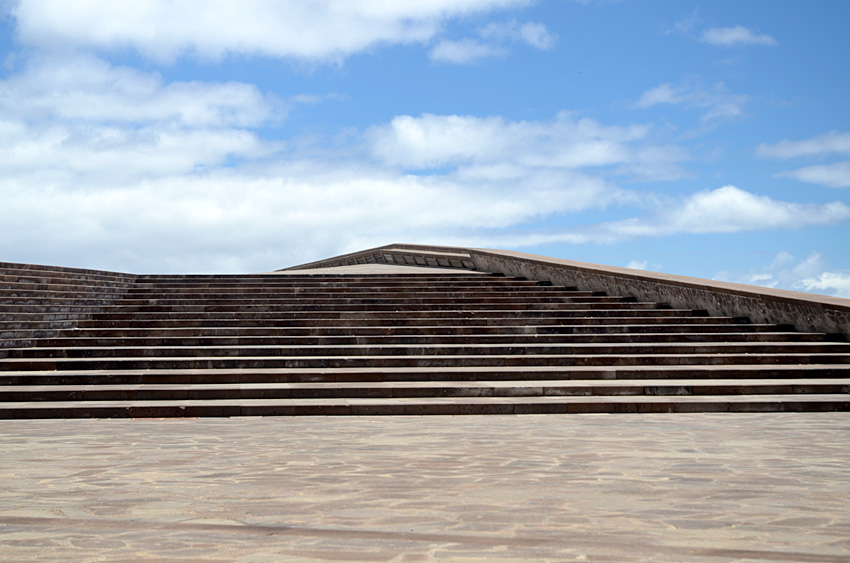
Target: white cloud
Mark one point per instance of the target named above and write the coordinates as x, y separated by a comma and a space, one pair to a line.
736, 35
724, 210
236, 220
492, 38
465, 51
537, 35
432, 141
831, 283
729, 210
533, 34
82, 88
716, 102
835, 175
811, 274
80, 118
643, 265
319, 30
821, 145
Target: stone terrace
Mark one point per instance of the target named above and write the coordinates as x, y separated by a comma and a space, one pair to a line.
408, 330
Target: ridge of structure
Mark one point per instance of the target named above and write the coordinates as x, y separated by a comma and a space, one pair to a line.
412, 329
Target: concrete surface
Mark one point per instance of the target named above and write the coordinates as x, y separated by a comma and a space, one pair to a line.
805, 311
719, 487
358, 269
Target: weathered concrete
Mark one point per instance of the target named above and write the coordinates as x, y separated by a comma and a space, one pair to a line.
803, 310
382, 268
400, 254
745, 487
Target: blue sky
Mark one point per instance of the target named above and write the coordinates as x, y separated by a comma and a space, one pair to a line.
705, 139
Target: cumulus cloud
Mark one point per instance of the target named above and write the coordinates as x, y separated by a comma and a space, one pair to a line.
734, 36
716, 102
75, 117
830, 143
84, 88
319, 30
490, 42
835, 175
465, 51
533, 34
430, 141
830, 283
729, 210
724, 210
811, 274
241, 220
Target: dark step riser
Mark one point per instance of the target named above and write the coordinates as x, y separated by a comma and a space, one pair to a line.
59, 279
176, 411
12, 312
366, 315
30, 337
347, 297
227, 392
366, 376
403, 287
27, 304
428, 339
284, 301
419, 350
418, 362
355, 323
355, 326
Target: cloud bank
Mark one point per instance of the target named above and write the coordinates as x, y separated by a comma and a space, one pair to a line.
317, 30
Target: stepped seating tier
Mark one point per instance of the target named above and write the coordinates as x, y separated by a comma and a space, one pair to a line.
82, 343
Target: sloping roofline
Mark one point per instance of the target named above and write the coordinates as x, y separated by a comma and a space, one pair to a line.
805, 311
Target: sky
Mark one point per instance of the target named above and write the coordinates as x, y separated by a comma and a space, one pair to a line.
707, 139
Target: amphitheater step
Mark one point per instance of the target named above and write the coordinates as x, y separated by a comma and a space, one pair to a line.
81, 343
429, 406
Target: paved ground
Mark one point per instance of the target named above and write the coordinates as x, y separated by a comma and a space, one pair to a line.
731, 487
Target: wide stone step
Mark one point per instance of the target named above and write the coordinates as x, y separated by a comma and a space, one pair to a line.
53, 276
61, 291
146, 311
424, 339
24, 337
425, 406
466, 349
559, 324
528, 388
372, 315
73, 330
417, 374
343, 300
24, 303
152, 311
340, 293
430, 360
261, 287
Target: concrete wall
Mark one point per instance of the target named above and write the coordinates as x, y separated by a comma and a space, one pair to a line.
805, 311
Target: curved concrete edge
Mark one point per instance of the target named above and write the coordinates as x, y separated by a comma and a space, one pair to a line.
805, 311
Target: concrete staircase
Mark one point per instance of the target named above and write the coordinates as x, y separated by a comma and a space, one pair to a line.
77, 343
